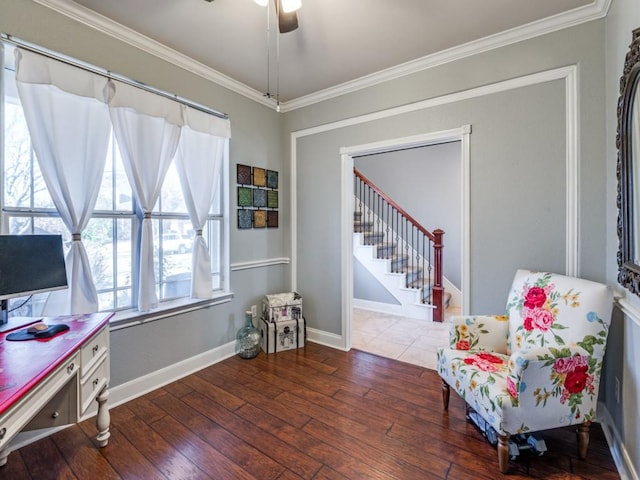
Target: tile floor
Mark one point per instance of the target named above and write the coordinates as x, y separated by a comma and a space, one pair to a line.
400, 338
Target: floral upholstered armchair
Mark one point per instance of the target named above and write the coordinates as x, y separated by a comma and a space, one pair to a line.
537, 367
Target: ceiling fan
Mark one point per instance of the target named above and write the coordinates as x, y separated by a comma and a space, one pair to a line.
286, 12
287, 22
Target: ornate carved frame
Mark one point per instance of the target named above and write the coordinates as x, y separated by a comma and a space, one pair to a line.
628, 270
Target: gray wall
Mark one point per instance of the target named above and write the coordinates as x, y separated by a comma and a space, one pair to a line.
517, 165
426, 182
137, 351
517, 178
367, 287
517, 192
143, 349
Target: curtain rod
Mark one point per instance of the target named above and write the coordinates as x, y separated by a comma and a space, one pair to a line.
5, 37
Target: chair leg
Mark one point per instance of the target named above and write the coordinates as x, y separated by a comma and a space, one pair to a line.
583, 439
445, 395
503, 453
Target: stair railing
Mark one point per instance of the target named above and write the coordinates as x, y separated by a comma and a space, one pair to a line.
390, 223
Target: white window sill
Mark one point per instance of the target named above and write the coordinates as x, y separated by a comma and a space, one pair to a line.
131, 318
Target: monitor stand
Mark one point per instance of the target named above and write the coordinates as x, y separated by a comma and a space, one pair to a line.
4, 306
13, 323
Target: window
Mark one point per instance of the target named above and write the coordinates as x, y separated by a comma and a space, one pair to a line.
173, 240
112, 236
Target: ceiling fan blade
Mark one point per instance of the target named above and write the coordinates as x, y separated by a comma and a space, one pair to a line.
287, 22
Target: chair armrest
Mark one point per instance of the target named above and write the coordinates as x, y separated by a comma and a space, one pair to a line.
479, 332
563, 379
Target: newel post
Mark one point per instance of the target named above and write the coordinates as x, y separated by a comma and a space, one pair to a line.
438, 289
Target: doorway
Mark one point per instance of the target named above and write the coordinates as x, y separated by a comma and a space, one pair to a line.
380, 156
425, 181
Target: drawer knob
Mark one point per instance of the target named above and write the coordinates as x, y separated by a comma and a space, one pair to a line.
95, 382
55, 415
3, 432
95, 349
70, 367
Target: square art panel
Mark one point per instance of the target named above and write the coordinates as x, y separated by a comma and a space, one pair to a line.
272, 179
259, 198
243, 176
259, 177
259, 218
272, 198
245, 197
245, 218
272, 219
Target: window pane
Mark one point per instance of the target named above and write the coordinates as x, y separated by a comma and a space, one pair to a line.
27, 306
20, 224
21, 189
173, 241
97, 241
41, 196
17, 158
23, 182
124, 252
123, 299
105, 302
112, 253
216, 206
51, 226
112, 269
171, 198
214, 229
115, 191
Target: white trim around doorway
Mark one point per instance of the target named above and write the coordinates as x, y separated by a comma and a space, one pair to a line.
460, 134
569, 74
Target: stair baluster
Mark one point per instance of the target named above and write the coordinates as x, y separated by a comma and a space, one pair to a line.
412, 248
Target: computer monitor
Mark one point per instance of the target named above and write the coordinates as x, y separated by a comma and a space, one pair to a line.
30, 264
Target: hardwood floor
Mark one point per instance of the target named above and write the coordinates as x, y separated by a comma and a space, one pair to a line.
313, 413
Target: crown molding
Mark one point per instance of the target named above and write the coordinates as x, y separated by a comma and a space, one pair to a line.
596, 10
116, 30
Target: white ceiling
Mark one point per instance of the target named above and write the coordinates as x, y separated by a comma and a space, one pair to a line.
338, 41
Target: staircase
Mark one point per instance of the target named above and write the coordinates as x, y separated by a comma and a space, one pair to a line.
393, 269
401, 254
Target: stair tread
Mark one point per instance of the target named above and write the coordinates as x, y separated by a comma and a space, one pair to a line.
397, 256
417, 274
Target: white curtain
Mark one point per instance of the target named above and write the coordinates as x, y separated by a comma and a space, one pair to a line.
68, 121
147, 129
202, 149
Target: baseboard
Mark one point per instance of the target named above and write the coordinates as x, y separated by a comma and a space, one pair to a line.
616, 445
154, 380
147, 383
140, 386
325, 338
136, 388
377, 306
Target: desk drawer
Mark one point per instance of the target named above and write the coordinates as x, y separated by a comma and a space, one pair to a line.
93, 351
19, 415
93, 383
60, 410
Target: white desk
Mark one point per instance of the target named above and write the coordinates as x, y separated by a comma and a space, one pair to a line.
52, 382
